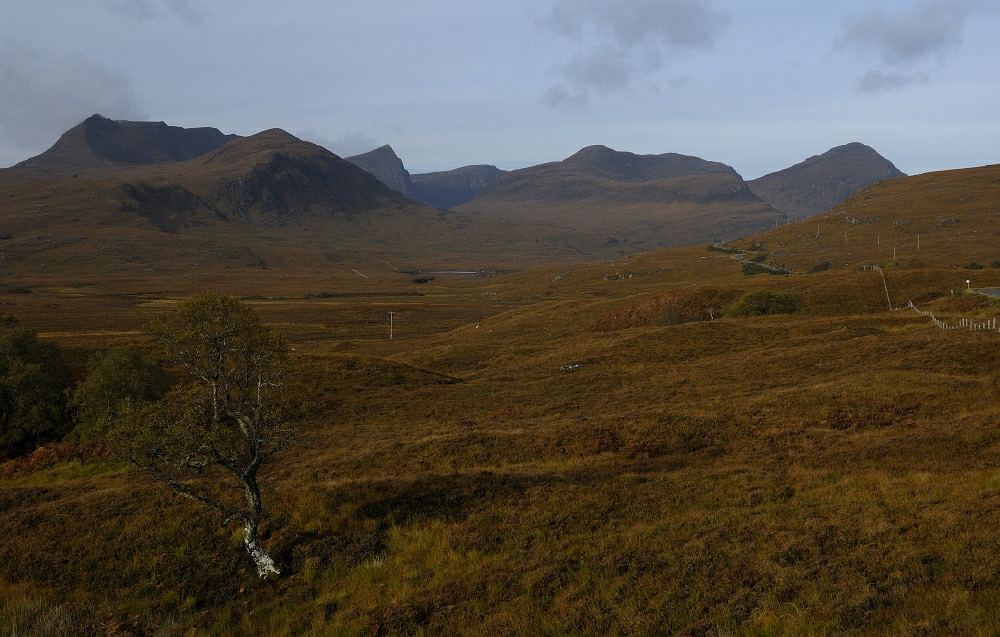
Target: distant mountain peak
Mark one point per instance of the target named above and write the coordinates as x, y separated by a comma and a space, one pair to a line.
100, 142
387, 167
607, 163
816, 184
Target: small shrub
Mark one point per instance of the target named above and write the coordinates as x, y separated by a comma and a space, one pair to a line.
973, 266
751, 269
760, 302
821, 267
715, 248
995, 264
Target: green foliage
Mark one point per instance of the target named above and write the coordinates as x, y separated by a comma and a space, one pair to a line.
995, 265
974, 266
821, 267
118, 376
760, 302
33, 380
208, 439
715, 248
750, 269
236, 365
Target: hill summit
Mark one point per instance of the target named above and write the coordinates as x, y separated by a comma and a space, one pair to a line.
639, 201
383, 164
444, 190
815, 185
99, 142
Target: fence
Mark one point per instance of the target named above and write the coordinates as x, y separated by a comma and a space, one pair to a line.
972, 326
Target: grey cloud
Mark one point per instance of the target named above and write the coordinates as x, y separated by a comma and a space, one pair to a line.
143, 10
603, 68
623, 39
905, 42
41, 96
876, 81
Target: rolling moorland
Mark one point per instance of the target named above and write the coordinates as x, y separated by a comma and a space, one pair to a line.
615, 448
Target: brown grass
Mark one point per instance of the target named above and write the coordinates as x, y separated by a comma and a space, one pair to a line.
514, 461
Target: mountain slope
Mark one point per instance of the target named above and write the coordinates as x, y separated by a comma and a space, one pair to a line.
387, 168
815, 185
99, 142
645, 201
268, 200
269, 179
453, 187
945, 220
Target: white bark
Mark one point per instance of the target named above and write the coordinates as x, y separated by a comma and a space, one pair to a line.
265, 565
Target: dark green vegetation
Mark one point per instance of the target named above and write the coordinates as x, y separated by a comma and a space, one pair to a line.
33, 380
763, 302
631, 448
117, 378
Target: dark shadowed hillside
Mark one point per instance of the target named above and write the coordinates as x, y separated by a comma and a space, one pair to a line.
387, 168
99, 142
269, 179
643, 201
817, 184
453, 187
265, 201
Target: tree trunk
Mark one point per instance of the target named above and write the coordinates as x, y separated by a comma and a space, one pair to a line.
265, 565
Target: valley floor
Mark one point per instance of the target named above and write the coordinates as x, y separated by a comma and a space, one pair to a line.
516, 462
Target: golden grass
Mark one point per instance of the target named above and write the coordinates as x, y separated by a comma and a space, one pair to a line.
503, 467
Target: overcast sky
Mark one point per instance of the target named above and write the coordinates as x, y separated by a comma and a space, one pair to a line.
757, 84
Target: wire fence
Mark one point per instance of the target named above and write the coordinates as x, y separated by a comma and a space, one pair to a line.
972, 326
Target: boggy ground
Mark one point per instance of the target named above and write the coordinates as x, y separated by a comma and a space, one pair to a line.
519, 459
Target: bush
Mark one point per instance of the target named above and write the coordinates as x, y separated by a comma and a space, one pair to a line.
33, 380
760, 302
673, 307
715, 248
995, 264
973, 266
750, 269
822, 267
118, 376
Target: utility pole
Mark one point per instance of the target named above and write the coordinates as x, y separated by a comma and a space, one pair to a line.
918, 243
390, 326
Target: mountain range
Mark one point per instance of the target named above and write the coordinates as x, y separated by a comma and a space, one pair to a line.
597, 191
267, 200
643, 201
148, 190
443, 190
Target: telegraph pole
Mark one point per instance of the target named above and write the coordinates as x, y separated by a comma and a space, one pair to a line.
390, 325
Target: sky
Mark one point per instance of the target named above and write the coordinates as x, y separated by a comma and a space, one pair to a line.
757, 84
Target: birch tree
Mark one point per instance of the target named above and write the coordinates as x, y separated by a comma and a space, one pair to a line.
209, 439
